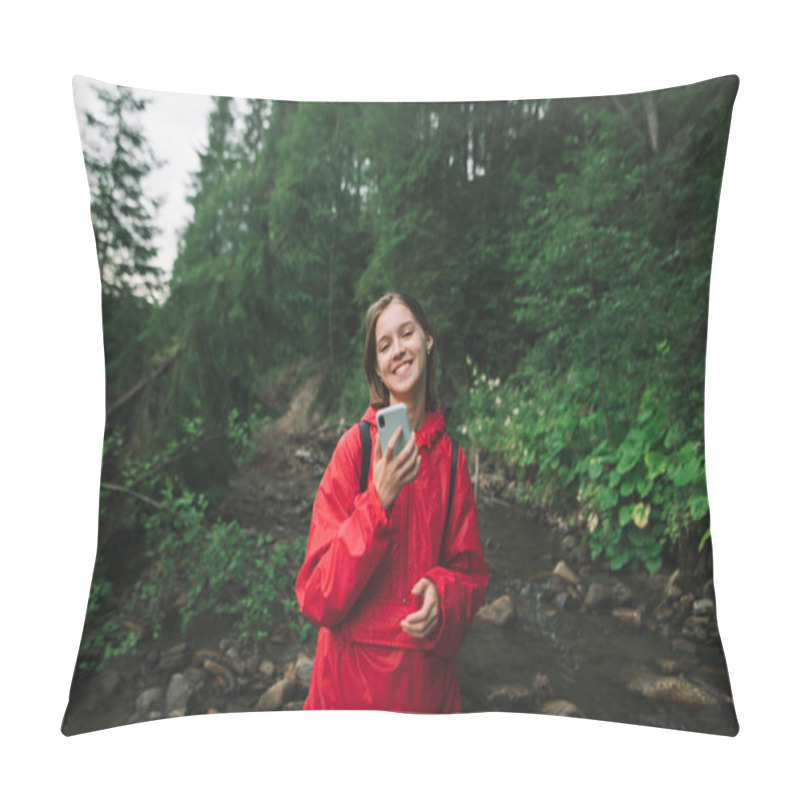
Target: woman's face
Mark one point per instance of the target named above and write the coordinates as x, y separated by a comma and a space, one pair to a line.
401, 347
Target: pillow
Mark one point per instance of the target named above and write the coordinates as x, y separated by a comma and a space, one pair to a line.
562, 251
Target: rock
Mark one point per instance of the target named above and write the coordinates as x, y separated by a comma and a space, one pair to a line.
622, 594
150, 699
223, 677
176, 712
178, 693
560, 708
628, 616
276, 696
687, 600
703, 607
667, 665
235, 661
696, 628
663, 613
508, 696
267, 669
597, 595
214, 668
293, 705
196, 677
569, 542
208, 655
303, 669
501, 612
551, 587
173, 659
563, 571
567, 599
541, 685
671, 688
672, 591
683, 646
251, 665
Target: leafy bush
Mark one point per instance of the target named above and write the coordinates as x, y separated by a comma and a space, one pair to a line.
636, 484
196, 563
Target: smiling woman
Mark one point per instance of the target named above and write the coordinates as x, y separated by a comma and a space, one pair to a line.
392, 574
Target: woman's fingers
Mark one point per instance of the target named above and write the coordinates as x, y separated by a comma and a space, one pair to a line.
424, 620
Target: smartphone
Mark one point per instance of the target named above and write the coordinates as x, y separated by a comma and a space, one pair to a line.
389, 420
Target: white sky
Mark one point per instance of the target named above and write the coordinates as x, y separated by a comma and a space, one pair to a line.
176, 128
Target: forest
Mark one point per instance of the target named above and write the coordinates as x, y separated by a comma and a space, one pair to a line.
561, 249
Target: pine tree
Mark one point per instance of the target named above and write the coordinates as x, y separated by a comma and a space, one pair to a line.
118, 158
117, 162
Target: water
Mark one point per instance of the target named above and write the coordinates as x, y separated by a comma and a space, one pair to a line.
584, 658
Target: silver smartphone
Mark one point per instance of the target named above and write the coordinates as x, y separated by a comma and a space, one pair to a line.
389, 420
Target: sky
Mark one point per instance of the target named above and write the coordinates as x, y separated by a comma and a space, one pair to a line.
175, 125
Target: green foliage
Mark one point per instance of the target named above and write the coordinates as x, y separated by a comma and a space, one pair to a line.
216, 566
637, 485
242, 434
202, 564
107, 636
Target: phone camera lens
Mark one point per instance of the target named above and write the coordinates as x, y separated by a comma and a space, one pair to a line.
382, 422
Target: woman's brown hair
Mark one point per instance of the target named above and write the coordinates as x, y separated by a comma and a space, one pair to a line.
378, 393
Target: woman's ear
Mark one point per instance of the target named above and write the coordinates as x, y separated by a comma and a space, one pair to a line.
429, 344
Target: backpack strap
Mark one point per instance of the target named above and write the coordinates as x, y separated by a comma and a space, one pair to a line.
453, 469
366, 453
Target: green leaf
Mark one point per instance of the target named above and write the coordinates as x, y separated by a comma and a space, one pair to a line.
653, 565
656, 463
689, 473
698, 506
607, 499
629, 457
641, 515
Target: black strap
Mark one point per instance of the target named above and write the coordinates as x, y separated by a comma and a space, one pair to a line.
453, 468
366, 454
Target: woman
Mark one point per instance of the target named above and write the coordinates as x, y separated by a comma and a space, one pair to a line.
391, 577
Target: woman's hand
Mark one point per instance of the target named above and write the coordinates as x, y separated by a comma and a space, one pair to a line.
390, 472
426, 619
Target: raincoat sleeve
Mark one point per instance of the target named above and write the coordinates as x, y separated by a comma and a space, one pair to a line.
348, 538
460, 577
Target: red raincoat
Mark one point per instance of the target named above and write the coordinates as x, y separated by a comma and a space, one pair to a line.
360, 567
